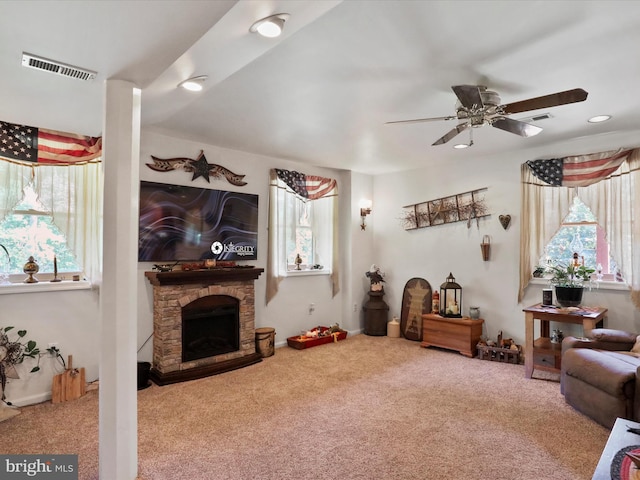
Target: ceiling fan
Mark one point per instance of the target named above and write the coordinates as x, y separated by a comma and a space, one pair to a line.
477, 106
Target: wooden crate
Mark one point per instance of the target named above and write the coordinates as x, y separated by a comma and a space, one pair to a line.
302, 342
496, 354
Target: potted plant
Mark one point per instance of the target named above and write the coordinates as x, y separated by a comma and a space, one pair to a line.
14, 351
568, 281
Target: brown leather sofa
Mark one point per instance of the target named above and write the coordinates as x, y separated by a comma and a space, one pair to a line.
598, 375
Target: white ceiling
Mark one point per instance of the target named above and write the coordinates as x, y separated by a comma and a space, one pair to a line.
322, 92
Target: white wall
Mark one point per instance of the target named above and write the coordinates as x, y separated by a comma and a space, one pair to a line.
69, 318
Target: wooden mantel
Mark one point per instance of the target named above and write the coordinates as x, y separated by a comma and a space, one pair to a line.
203, 277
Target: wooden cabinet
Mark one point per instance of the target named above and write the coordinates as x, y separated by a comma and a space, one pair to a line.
460, 334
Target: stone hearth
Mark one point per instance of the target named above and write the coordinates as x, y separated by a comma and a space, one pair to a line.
174, 290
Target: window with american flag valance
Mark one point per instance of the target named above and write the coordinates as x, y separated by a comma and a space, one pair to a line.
608, 183
73, 194
303, 218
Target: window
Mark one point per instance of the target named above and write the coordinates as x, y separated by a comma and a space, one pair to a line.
302, 228
305, 237
613, 200
28, 230
580, 233
51, 210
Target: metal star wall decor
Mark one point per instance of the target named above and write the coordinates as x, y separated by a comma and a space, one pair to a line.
199, 167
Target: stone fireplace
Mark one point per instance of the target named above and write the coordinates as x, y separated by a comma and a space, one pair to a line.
203, 322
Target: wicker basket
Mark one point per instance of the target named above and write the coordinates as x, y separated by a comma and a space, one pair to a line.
496, 354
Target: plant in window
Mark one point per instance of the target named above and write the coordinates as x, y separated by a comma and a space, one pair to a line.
570, 275
569, 282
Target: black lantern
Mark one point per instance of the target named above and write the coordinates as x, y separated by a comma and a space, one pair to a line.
450, 298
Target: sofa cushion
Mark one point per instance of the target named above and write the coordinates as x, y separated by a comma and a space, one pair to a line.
612, 372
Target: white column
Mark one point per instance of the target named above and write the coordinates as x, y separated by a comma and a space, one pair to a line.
118, 434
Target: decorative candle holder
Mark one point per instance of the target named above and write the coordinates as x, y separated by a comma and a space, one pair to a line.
31, 268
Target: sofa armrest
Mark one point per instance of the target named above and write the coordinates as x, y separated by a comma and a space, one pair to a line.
602, 339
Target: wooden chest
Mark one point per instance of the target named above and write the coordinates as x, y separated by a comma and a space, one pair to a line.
461, 334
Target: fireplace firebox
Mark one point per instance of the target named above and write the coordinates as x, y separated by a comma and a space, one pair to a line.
210, 326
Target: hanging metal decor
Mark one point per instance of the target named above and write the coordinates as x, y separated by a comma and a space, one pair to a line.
467, 206
199, 167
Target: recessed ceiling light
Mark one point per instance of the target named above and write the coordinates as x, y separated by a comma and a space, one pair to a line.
270, 26
599, 118
193, 84
460, 146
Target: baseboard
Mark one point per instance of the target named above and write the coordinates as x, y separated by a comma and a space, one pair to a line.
33, 399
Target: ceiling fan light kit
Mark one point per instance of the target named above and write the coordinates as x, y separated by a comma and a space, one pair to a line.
477, 106
270, 26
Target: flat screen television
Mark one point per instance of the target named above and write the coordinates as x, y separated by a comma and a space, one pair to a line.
180, 223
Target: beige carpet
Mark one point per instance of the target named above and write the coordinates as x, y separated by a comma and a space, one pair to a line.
363, 408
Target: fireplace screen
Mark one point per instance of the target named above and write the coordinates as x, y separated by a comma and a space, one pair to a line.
210, 327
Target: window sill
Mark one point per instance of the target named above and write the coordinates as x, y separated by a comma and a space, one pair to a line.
594, 286
303, 273
44, 286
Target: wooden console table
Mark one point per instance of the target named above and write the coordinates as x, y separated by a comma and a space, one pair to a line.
461, 334
541, 353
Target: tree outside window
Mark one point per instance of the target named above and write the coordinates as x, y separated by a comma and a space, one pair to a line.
581, 234
28, 230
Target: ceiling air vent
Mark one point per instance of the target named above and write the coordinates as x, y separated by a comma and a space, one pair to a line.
52, 66
537, 118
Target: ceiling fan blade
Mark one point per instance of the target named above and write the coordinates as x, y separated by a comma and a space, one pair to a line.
515, 126
469, 95
452, 133
546, 101
420, 120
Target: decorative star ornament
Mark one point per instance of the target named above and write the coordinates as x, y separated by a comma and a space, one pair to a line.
199, 167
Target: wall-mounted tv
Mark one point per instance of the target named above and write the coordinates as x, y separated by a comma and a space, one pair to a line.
188, 224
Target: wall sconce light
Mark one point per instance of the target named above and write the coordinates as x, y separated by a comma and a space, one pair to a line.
365, 209
271, 26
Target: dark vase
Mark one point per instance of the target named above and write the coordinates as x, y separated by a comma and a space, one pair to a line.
569, 296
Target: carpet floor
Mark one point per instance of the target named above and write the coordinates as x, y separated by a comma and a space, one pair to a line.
363, 408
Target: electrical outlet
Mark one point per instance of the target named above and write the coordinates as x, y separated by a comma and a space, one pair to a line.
355, 307
312, 308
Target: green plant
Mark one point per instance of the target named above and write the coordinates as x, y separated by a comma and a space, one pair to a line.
13, 352
569, 275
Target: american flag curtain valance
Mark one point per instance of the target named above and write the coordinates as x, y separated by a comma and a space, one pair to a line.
38, 145
307, 186
578, 170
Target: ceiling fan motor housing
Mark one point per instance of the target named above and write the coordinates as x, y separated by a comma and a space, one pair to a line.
479, 115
